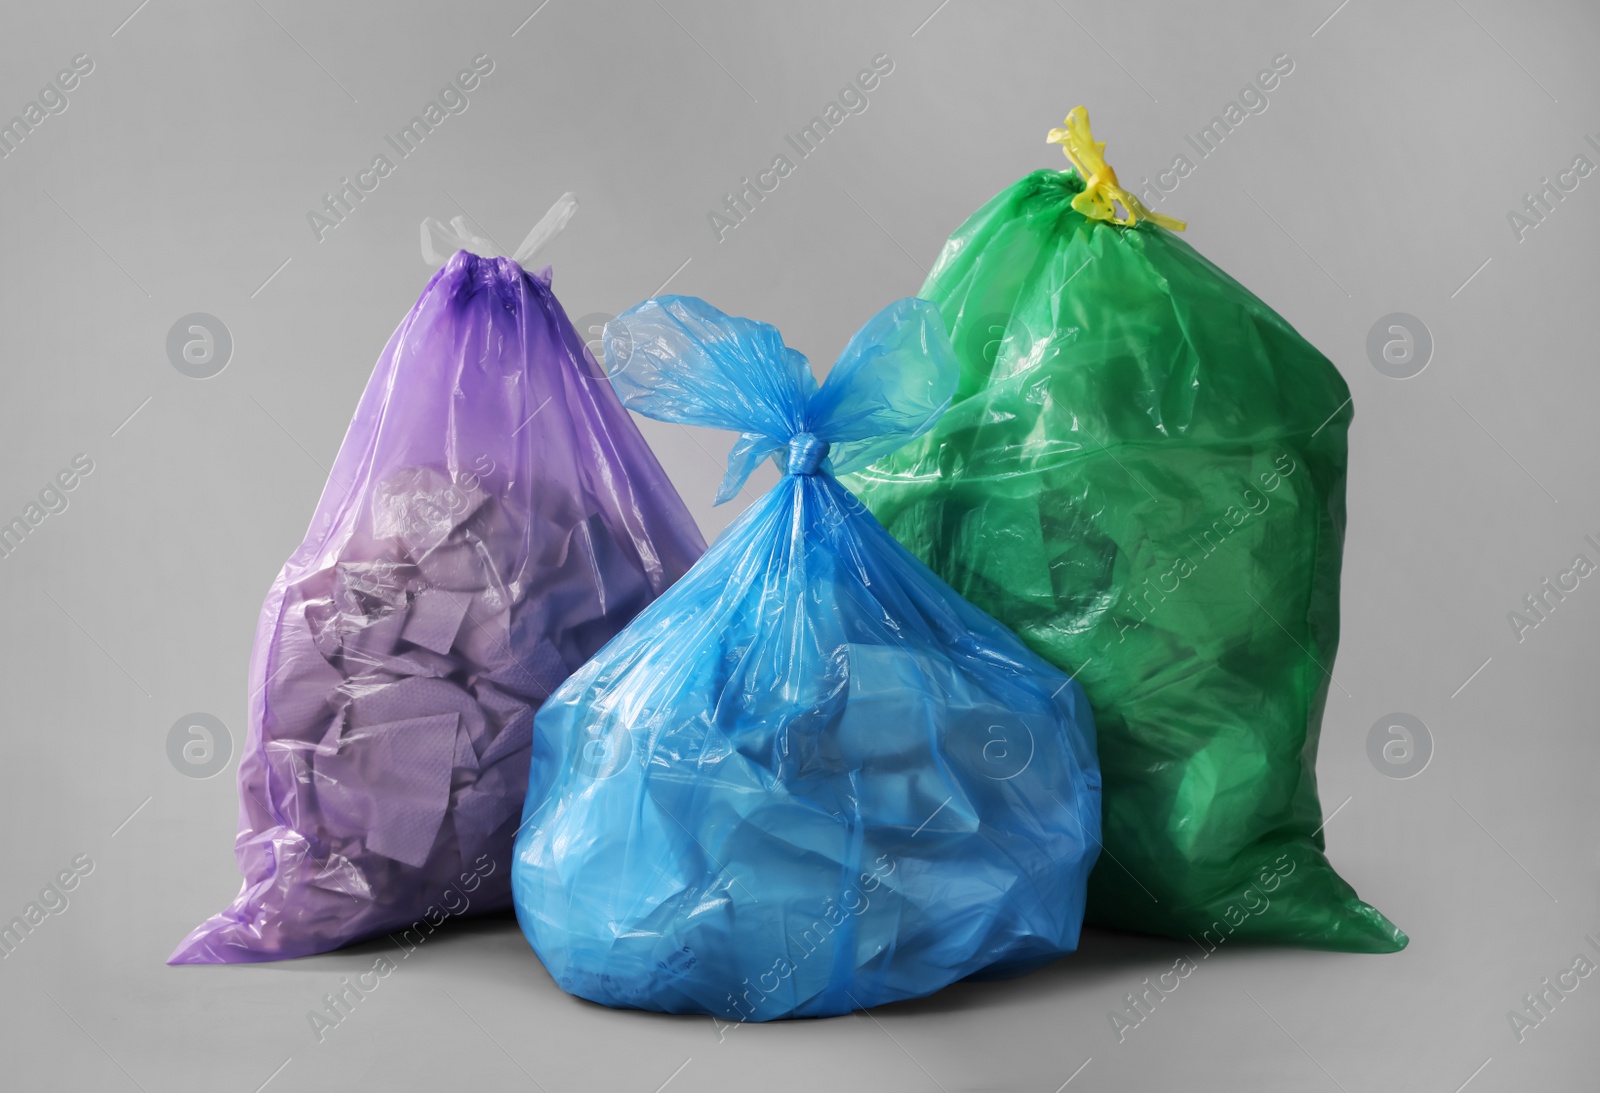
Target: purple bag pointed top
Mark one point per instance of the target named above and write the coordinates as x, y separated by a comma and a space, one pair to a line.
492, 519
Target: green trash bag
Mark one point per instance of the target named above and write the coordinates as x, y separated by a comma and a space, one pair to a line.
1143, 474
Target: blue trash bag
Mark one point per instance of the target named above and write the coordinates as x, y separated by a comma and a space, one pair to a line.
810, 778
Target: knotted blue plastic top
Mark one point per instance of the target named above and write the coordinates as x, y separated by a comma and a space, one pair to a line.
806, 454
677, 358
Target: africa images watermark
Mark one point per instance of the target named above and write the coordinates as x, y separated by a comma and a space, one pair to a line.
52, 501
1147, 599
738, 205
853, 901
1541, 603
1252, 101
199, 345
199, 745
1399, 745
1139, 1008
52, 901
340, 1005
1538, 1007
51, 100
338, 205
1539, 203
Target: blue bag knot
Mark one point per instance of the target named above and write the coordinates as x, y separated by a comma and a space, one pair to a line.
806, 453
677, 358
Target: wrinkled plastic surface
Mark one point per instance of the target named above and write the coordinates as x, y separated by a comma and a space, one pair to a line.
810, 778
492, 519
1143, 474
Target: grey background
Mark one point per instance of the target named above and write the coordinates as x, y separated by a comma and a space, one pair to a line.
1378, 181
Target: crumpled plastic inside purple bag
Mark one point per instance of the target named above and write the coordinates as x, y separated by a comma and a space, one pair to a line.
491, 520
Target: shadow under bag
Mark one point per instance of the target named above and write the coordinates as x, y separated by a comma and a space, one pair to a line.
492, 519
810, 778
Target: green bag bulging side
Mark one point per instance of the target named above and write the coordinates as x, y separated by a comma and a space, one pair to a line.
1143, 474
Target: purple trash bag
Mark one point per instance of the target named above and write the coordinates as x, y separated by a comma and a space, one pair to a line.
493, 518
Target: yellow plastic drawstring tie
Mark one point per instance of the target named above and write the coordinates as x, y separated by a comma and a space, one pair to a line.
1101, 191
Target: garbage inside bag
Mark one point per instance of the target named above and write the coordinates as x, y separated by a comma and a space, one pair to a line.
1143, 474
810, 778
492, 519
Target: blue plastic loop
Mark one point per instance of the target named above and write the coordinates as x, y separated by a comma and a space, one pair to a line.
806, 453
